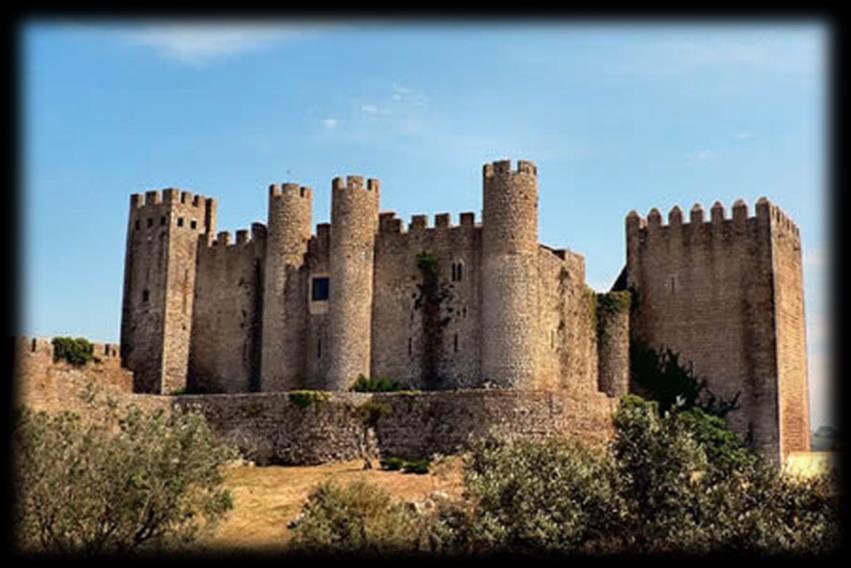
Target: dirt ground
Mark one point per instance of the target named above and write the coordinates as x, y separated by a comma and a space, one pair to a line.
266, 499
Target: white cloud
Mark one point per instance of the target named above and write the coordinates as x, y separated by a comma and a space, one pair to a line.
744, 135
195, 44
330, 122
369, 109
700, 156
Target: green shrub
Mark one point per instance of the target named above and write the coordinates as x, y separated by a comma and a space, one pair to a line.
360, 517
674, 482
365, 384
117, 481
76, 351
304, 398
691, 486
392, 464
674, 384
416, 466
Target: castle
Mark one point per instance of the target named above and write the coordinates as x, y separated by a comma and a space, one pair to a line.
477, 305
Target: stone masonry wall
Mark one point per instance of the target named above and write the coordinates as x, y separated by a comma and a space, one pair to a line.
270, 428
354, 223
510, 273
284, 307
159, 282
791, 335
427, 338
706, 290
226, 339
43, 384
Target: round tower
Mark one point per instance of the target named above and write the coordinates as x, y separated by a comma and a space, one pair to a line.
284, 292
354, 222
509, 273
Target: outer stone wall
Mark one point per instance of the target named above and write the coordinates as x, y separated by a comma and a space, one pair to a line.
44, 384
270, 428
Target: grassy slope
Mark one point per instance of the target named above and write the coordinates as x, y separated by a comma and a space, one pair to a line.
266, 499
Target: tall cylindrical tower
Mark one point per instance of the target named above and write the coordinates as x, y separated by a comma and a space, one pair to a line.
354, 222
509, 273
284, 293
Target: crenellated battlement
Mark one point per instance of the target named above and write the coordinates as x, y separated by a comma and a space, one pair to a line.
42, 347
389, 224
355, 182
244, 237
503, 167
718, 218
290, 190
169, 195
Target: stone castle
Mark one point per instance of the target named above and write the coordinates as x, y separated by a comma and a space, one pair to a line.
477, 306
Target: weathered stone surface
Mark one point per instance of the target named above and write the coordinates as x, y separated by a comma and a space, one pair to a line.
727, 295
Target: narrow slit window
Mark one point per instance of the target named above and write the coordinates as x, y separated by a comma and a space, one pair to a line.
319, 348
138, 224
150, 222
320, 289
145, 295
410, 346
162, 220
455, 343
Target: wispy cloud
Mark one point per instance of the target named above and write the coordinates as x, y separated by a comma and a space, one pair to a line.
330, 123
744, 135
700, 156
196, 44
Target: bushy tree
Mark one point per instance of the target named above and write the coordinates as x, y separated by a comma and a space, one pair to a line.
667, 483
553, 494
359, 518
116, 480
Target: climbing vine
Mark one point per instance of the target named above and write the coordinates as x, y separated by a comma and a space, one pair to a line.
433, 294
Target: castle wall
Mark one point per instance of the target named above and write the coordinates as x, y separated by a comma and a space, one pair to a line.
270, 428
159, 282
354, 223
285, 317
613, 342
510, 274
578, 358
791, 335
225, 351
316, 347
706, 290
426, 320
42, 384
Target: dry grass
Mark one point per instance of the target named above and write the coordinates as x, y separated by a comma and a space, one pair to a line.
266, 499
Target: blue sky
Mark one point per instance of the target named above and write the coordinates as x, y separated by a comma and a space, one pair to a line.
617, 117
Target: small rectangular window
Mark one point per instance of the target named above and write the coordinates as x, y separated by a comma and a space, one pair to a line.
455, 343
150, 222
162, 220
320, 289
193, 223
145, 295
180, 221
138, 223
